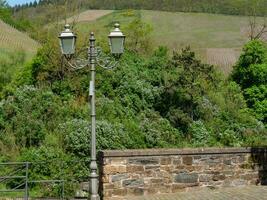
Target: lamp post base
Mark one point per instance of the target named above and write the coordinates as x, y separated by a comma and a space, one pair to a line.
94, 197
94, 185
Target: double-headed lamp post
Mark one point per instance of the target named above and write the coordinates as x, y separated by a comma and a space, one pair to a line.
95, 57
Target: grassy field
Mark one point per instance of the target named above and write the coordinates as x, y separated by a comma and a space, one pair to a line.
217, 39
198, 30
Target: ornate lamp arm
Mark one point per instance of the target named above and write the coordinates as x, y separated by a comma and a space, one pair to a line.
105, 61
102, 60
77, 63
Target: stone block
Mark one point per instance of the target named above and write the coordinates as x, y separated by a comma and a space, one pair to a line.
177, 161
135, 168
187, 160
107, 193
118, 161
106, 161
204, 178
228, 173
149, 173
189, 168
150, 190
152, 167
165, 161
133, 183
144, 161
119, 192
227, 162
218, 177
118, 177
178, 171
113, 169
186, 178
105, 179
108, 186
166, 168
156, 182
135, 191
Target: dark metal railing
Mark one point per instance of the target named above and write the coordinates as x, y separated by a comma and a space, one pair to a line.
19, 171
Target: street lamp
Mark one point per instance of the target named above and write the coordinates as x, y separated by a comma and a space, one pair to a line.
96, 57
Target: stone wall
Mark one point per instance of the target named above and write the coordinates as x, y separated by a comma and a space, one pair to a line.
143, 172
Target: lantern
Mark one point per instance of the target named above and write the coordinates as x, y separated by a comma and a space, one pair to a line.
116, 40
67, 41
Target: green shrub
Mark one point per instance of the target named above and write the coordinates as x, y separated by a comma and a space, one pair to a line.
158, 132
29, 114
48, 163
229, 138
77, 136
200, 136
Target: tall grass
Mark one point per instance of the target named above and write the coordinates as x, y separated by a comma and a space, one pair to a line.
10, 62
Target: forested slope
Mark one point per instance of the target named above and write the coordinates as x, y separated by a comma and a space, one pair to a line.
232, 7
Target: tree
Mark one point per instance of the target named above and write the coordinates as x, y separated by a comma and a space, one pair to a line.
251, 73
251, 65
35, 3
138, 33
3, 4
183, 89
257, 25
257, 29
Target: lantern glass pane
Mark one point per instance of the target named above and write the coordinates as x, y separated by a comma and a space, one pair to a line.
116, 45
67, 45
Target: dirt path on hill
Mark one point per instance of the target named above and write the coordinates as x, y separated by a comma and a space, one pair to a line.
89, 15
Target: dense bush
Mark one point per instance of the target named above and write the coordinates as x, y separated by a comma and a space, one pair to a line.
206, 108
29, 114
251, 73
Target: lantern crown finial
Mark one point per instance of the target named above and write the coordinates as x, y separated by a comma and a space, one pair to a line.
117, 25
67, 27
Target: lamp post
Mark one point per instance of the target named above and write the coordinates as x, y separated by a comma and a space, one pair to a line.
95, 58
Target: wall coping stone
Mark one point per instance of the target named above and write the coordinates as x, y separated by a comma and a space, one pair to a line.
182, 151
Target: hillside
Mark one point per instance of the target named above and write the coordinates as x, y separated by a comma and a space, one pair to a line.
217, 38
12, 39
230, 7
210, 35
